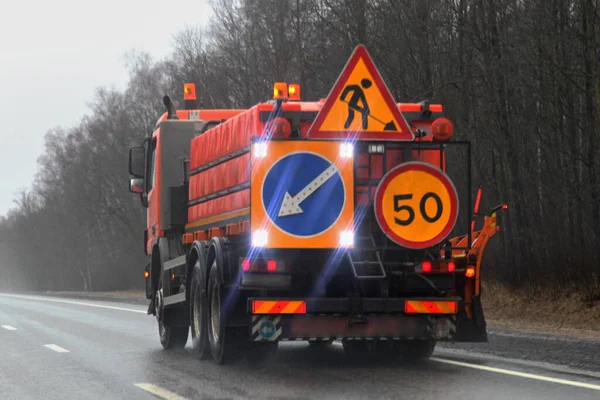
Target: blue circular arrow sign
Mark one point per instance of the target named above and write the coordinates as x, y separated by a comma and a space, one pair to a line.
267, 329
303, 194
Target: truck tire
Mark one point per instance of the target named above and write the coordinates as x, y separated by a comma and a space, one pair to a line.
171, 337
222, 341
198, 313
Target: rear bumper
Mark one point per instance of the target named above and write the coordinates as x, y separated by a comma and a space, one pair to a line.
379, 319
374, 327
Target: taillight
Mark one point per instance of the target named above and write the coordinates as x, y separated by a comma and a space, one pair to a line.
451, 266
436, 267
426, 266
246, 265
262, 265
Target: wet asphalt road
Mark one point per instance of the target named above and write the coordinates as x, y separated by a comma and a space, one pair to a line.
54, 348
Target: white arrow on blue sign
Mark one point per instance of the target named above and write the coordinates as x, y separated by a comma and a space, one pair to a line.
303, 194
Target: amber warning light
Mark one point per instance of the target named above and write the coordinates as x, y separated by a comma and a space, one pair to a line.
189, 96
280, 91
189, 91
294, 92
470, 272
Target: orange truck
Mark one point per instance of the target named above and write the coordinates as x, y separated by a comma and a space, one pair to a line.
349, 218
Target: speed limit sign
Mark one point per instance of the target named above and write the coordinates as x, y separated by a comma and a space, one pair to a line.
416, 205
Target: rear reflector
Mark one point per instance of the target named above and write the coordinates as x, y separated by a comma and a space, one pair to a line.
430, 307
278, 307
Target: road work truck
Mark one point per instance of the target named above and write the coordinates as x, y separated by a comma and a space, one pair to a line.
346, 219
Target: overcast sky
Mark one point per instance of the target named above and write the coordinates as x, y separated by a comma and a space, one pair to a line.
55, 53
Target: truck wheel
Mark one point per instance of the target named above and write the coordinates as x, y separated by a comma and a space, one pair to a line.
198, 313
416, 350
221, 341
171, 337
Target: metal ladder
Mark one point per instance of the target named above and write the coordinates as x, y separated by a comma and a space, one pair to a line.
365, 260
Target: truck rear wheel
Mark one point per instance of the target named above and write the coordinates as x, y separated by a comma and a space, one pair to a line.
221, 340
198, 313
171, 337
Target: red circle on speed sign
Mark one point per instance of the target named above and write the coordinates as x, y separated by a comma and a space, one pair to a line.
416, 205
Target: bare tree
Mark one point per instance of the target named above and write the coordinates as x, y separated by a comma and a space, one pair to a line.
519, 79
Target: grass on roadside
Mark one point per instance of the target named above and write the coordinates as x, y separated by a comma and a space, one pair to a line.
538, 308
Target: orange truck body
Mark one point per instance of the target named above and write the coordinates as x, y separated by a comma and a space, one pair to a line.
204, 179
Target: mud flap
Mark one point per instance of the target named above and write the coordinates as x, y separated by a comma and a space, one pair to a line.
472, 330
177, 315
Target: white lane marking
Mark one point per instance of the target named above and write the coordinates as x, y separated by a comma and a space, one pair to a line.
41, 298
9, 328
158, 391
546, 366
516, 373
57, 348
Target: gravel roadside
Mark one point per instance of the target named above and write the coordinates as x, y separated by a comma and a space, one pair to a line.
576, 350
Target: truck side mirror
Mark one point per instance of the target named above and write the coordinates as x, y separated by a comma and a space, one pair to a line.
137, 162
136, 185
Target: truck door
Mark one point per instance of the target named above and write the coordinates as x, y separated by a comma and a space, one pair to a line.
153, 190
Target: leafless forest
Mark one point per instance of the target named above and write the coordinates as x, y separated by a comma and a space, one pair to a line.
520, 79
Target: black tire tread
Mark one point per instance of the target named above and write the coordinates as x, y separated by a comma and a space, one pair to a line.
199, 344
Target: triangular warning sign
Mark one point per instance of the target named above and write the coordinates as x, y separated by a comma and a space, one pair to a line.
360, 106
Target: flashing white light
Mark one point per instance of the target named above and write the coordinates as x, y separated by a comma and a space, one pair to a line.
260, 150
346, 238
259, 238
346, 150
376, 148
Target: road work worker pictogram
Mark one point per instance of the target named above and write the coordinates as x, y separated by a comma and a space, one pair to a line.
358, 103
360, 106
